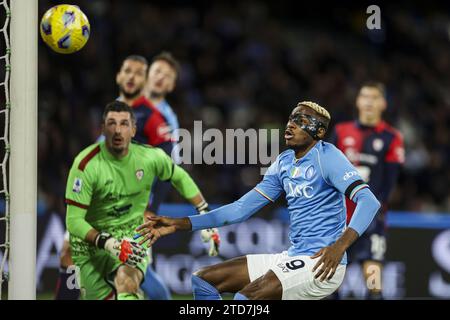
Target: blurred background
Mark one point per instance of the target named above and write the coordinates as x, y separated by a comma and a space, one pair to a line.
246, 64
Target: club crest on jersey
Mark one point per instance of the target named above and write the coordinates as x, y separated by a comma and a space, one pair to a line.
139, 174
295, 172
77, 185
309, 173
377, 144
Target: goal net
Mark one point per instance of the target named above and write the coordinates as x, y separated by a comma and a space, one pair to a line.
5, 69
18, 147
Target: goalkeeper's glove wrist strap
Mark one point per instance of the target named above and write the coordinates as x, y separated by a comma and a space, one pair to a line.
101, 238
202, 207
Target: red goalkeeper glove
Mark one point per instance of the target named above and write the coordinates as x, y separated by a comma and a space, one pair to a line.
127, 251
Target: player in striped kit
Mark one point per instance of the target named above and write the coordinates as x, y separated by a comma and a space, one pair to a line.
376, 150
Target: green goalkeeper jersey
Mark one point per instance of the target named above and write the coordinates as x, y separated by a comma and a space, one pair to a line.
107, 193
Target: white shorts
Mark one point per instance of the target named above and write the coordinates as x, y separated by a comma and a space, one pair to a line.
295, 274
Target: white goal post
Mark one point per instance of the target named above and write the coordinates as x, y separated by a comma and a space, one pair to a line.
23, 145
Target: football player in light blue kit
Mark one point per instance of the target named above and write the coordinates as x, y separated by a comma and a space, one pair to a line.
315, 176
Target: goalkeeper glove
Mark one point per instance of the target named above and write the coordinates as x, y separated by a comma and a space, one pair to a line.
128, 252
210, 235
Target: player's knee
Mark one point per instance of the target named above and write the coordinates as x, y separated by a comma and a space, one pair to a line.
203, 273
209, 275
266, 287
125, 283
253, 291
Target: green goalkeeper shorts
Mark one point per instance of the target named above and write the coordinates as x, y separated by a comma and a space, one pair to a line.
96, 274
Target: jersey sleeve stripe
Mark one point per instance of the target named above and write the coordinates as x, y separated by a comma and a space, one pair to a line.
263, 194
76, 204
88, 157
351, 187
355, 190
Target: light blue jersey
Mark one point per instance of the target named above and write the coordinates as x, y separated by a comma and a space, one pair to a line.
172, 120
315, 188
168, 113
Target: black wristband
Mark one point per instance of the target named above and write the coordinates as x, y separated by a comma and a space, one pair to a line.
101, 239
202, 207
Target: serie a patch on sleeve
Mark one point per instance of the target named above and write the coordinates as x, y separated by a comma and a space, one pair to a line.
77, 185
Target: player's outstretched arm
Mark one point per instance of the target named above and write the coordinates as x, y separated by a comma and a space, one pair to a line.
159, 226
186, 186
235, 212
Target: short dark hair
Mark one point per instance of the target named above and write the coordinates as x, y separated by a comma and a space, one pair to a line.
118, 106
136, 57
375, 84
170, 59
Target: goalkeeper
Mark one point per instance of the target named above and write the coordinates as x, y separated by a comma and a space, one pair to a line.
107, 195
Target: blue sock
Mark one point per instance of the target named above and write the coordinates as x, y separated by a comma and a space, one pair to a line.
203, 290
154, 286
239, 296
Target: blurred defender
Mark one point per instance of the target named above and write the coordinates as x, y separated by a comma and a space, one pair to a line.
107, 195
315, 175
376, 150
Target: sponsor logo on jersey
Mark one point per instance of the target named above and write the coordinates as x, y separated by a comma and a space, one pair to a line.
139, 174
302, 190
77, 184
349, 174
120, 211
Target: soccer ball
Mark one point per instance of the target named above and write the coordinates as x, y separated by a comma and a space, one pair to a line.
65, 28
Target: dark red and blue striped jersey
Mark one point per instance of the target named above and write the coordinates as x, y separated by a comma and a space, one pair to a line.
152, 128
377, 152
